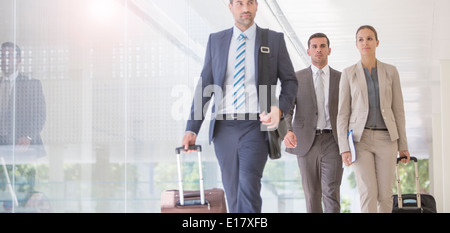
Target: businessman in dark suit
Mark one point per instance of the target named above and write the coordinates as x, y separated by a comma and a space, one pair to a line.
22, 117
23, 111
230, 73
314, 125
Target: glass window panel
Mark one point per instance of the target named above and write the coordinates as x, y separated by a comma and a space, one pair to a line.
109, 87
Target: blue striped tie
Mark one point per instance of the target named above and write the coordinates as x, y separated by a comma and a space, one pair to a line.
239, 75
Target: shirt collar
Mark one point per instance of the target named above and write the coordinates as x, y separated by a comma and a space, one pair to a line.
326, 69
250, 33
12, 77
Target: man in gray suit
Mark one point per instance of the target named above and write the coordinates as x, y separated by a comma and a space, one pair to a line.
314, 124
231, 74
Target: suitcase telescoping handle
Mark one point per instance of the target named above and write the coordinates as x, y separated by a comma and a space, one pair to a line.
178, 151
404, 157
193, 147
399, 188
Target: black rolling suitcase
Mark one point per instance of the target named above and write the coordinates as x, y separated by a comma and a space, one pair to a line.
412, 203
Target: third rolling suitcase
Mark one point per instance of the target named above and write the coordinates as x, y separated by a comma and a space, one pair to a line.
202, 201
412, 203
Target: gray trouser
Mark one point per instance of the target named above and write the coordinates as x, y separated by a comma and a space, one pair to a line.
321, 171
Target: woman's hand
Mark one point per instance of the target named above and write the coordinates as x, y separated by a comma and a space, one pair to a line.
347, 158
406, 156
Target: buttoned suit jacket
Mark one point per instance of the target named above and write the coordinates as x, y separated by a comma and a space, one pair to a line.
213, 75
354, 104
26, 112
304, 123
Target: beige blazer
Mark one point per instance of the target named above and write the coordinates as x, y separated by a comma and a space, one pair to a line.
354, 104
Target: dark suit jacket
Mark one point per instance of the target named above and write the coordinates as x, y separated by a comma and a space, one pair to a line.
26, 112
304, 122
212, 81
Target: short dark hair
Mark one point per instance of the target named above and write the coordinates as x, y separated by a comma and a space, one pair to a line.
367, 27
15, 46
231, 1
318, 35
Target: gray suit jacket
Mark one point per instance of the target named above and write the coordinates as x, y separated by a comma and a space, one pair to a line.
304, 123
212, 81
354, 104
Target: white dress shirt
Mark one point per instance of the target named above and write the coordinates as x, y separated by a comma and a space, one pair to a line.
326, 78
6, 86
252, 104
11, 78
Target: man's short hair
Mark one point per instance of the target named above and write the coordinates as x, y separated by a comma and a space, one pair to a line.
231, 1
15, 46
318, 35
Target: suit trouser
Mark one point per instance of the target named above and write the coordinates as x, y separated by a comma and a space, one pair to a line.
374, 169
242, 151
321, 171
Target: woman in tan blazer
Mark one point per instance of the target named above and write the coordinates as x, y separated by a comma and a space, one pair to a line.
371, 104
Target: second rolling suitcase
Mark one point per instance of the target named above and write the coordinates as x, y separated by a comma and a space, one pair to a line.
201, 201
412, 203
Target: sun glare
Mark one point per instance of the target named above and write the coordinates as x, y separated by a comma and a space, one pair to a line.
103, 10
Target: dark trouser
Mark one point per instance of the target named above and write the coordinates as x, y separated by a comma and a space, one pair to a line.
242, 151
321, 171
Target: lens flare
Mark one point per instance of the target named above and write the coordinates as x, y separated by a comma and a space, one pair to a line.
103, 10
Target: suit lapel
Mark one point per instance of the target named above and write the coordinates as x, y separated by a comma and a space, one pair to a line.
257, 48
310, 85
225, 41
361, 79
381, 81
333, 84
